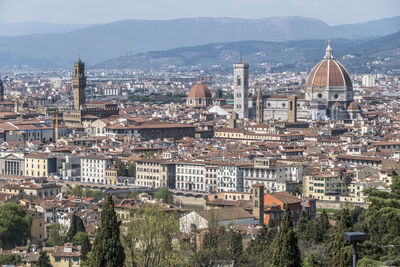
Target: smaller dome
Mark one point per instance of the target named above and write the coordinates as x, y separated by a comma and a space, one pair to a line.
337, 104
353, 106
199, 91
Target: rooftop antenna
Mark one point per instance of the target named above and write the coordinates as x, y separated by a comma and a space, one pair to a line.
241, 60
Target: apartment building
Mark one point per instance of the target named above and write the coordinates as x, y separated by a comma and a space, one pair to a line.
211, 178
155, 173
322, 186
191, 176
40, 165
262, 170
229, 177
93, 168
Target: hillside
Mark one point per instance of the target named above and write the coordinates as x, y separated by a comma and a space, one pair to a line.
101, 42
290, 55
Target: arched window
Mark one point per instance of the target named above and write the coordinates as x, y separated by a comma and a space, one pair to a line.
238, 81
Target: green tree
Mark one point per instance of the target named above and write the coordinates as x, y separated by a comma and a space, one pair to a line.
311, 261
57, 234
149, 154
234, 246
86, 262
121, 168
381, 223
43, 260
213, 247
164, 194
132, 169
77, 191
298, 190
321, 227
286, 252
341, 250
15, 225
303, 226
134, 193
82, 239
148, 239
10, 259
77, 225
107, 249
97, 193
260, 248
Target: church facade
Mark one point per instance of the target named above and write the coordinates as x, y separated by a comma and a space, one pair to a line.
328, 96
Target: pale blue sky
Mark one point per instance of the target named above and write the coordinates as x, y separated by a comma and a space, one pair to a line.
332, 12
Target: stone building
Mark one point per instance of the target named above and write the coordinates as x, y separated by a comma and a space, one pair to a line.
328, 96
199, 96
12, 163
155, 173
40, 164
76, 116
93, 168
241, 89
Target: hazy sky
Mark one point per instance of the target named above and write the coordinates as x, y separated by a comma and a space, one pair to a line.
99, 11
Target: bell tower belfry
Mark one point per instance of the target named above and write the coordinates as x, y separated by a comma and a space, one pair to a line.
241, 89
260, 107
79, 84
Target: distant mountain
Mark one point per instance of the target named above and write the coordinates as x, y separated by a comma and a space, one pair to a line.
29, 28
289, 55
101, 42
381, 54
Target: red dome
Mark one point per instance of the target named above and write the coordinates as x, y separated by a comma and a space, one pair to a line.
199, 91
353, 106
329, 72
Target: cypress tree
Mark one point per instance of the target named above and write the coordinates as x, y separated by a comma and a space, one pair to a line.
76, 227
321, 227
85, 248
235, 246
341, 250
257, 252
107, 249
43, 260
303, 226
271, 223
286, 253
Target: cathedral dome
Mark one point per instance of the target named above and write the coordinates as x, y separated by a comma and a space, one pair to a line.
353, 106
199, 91
329, 73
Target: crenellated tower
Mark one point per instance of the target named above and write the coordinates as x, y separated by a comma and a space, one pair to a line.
79, 84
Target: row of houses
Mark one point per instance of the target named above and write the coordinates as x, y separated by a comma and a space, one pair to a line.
218, 176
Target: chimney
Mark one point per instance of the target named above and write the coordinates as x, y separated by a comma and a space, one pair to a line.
258, 202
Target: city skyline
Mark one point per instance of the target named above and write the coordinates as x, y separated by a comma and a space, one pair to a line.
94, 12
